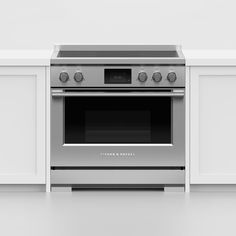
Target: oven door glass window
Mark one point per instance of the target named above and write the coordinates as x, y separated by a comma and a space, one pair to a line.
104, 120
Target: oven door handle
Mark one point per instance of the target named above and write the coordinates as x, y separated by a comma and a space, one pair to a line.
174, 93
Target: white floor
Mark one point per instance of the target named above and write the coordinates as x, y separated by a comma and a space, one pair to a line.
117, 213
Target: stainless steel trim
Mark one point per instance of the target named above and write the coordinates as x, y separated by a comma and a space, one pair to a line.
61, 189
117, 176
117, 145
179, 93
120, 60
173, 189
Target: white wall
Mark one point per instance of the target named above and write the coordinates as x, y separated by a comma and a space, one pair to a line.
192, 23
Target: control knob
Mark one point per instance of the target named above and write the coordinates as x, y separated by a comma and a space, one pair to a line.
157, 77
142, 76
172, 77
78, 77
64, 76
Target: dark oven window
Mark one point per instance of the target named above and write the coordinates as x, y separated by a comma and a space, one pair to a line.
117, 120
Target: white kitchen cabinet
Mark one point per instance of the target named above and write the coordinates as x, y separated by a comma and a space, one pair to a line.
212, 125
22, 125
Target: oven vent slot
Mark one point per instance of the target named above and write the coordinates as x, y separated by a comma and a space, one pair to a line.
116, 187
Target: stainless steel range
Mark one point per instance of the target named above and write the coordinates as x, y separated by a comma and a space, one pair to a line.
117, 116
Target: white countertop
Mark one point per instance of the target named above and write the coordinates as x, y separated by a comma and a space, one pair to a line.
25, 57
193, 57
210, 57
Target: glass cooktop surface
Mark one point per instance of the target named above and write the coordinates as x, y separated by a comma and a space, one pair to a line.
172, 54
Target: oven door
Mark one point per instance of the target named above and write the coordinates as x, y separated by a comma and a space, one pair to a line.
117, 128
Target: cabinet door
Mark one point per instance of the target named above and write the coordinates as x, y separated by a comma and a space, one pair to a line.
213, 125
22, 125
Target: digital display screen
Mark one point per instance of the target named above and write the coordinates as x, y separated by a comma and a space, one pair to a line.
117, 76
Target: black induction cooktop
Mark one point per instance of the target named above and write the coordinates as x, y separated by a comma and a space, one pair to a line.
117, 54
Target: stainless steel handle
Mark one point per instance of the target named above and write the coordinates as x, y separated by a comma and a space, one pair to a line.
174, 93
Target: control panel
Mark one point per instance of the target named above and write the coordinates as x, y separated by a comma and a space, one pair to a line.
117, 76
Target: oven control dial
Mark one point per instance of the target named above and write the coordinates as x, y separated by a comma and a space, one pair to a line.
78, 77
157, 77
64, 76
172, 77
142, 76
